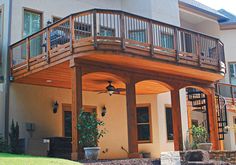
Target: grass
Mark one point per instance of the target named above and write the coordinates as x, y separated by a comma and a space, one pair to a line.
11, 159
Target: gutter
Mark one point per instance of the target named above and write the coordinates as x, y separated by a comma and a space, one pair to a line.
7, 72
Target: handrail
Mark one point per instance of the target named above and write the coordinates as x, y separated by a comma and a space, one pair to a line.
226, 90
213, 53
118, 11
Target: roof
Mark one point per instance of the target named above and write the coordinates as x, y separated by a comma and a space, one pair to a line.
231, 17
203, 8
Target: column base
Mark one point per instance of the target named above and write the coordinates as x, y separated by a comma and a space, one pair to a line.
134, 155
74, 156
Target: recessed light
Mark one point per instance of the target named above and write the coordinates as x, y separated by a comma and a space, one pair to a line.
48, 81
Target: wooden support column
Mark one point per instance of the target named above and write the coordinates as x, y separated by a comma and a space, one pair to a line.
131, 117
176, 116
76, 107
212, 117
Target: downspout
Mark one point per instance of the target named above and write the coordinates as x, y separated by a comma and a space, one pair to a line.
7, 72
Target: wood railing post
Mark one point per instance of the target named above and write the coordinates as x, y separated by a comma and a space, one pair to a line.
48, 47
28, 52
95, 28
218, 54
176, 41
72, 32
198, 52
122, 30
151, 38
232, 93
11, 59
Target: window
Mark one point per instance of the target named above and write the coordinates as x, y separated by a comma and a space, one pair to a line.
167, 40
138, 35
144, 123
186, 40
169, 124
32, 24
232, 73
1, 25
106, 31
82, 30
67, 118
234, 126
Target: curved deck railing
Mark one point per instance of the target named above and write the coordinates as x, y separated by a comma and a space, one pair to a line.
100, 29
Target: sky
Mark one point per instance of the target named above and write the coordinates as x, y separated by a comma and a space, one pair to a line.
229, 5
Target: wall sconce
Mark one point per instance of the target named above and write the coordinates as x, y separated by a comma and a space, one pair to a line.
104, 111
55, 106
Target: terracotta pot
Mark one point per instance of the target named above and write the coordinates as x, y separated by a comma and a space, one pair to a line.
91, 153
204, 146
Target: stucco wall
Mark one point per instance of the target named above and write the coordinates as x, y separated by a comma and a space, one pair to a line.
155, 9
34, 104
230, 139
228, 38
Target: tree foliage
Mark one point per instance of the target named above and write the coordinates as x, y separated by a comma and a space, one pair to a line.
14, 137
89, 132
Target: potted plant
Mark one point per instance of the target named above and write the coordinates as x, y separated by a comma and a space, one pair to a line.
200, 138
88, 126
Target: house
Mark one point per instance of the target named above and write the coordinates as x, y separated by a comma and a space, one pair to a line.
111, 56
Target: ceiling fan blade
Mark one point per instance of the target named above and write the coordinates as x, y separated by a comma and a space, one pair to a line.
100, 92
120, 89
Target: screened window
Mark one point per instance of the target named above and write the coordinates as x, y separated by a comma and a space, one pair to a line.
186, 42
144, 124
67, 124
32, 24
169, 124
167, 40
232, 67
138, 35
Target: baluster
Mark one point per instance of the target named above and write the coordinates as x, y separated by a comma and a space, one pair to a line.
176, 47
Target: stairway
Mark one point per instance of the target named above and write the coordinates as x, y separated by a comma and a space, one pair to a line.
198, 99
221, 115
199, 104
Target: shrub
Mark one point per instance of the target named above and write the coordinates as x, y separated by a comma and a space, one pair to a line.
199, 135
89, 134
3, 145
14, 137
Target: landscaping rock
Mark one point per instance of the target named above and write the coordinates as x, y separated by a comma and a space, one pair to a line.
196, 155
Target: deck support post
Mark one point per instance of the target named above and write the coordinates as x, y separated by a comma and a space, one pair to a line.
212, 117
131, 120
76, 107
176, 115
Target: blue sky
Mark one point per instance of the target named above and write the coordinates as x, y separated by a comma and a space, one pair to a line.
229, 5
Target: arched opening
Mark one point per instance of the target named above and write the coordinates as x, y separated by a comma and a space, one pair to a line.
154, 117
197, 113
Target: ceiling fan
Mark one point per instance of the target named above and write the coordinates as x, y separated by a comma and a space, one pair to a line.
110, 89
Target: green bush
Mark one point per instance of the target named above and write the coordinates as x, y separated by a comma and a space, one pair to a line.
89, 134
199, 135
3, 145
14, 137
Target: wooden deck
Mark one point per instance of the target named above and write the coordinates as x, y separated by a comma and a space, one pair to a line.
116, 32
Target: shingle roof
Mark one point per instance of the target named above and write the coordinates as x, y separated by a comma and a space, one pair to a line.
231, 17
201, 7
